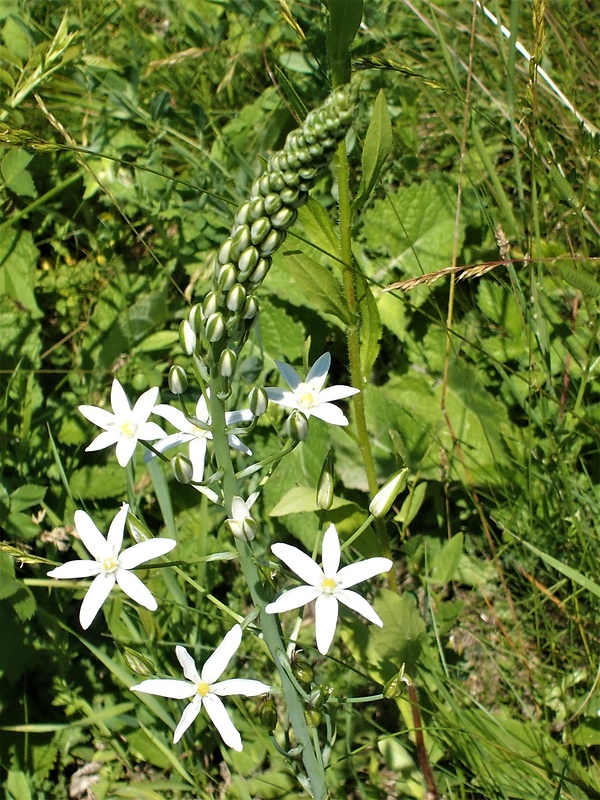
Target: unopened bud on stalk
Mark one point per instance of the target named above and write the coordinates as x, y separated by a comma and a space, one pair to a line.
325, 484
210, 305
260, 228
196, 318
226, 277
215, 327
296, 426
182, 467
247, 261
178, 381
273, 202
382, 502
258, 401
250, 309
187, 337
236, 298
227, 363
267, 714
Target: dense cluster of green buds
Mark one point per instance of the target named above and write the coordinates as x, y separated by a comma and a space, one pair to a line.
224, 318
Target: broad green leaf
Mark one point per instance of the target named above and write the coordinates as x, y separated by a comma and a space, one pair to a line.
17, 785
318, 284
376, 149
300, 499
18, 262
445, 563
98, 482
15, 174
412, 504
318, 230
26, 496
344, 21
282, 337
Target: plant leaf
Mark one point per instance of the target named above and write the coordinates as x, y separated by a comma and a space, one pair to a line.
377, 147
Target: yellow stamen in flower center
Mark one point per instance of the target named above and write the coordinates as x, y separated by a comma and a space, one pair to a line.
199, 433
109, 564
308, 398
202, 689
328, 585
128, 427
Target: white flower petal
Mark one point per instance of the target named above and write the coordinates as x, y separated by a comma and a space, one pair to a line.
236, 443
289, 374
91, 537
95, 597
331, 552
187, 664
330, 414
299, 562
217, 663
248, 688
104, 439
190, 712
144, 405
202, 409
114, 537
243, 415
326, 614
293, 598
358, 604
149, 431
119, 400
76, 569
239, 509
281, 397
173, 415
166, 687
144, 551
133, 586
318, 372
98, 416
197, 454
363, 570
125, 449
222, 722
336, 393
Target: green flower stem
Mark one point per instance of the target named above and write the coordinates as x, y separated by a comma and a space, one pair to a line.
270, 628
358, 404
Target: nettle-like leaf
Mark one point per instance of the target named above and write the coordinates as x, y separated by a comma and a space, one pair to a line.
377, 147
319, 285
15, 174
18, 262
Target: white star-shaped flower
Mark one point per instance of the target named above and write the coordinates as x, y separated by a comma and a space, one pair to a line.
203, 689
126, 425
110, 566
308, 396
327, 585
196, 435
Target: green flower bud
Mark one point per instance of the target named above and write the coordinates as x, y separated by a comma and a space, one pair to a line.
296, 426
227, 362
247, 261
240, 241
291, 178
224, 252
267, 714
236, 298
284, 218
178, 381
196, 318
262, 267
226, 277
308, 173
187, 337
259, 230
258, 401
320, 695
210, 305
294, 160
281, 161
288, 196
257, 209
303, 672
275, 182
250, 309
383, 500
182, 468
316, 150
271, 242
243, 213
273, 202
215, 327
325, 484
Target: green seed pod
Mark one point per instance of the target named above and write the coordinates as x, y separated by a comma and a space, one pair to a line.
313, 717
196, 318
182, 467
215, 327
284, 218
224, 252
178, 381
242, 214
320, 695
250, 308
240, 241
325, 484
226, 277
236, 298
267, 714
257, 209
258, 401
210, 306
227, 362
271, 242
296, 426
303, 672
187, 338
262, 267
273, 202
247, 261
288, 196
290, 178
259, 230
275, 182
